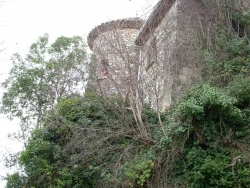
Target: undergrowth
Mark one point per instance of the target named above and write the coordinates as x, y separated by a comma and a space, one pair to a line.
93, 142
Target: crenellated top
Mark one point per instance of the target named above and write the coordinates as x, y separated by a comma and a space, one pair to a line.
128, 23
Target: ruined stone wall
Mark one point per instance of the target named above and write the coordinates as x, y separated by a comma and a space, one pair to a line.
157, 60
174, 67
158, 57
188, 69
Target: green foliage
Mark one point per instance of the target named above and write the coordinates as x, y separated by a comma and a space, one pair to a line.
240, 89
85, 142
93, 141
70, 108
81, 142
213, 167
215, 153
229, 55
217, 119
37, 160
209, 168
47, 74
15, 180
206, 102
173, 131
233, 59
139, 170
47, 164
243, 17
78, 109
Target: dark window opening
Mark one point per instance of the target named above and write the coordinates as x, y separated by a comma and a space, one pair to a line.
238, 28
105, 62
104, 71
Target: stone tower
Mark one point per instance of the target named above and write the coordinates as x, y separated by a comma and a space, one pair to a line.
155, 60
113, 44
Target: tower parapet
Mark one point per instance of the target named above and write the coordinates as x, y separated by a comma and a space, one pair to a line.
128, 23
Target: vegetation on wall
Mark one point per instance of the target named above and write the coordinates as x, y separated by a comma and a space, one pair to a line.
202, 141
216, 152
87, 142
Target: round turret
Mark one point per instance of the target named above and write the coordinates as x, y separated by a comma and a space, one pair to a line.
113, 44
129, 25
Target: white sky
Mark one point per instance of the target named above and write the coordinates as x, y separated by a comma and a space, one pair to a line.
23, 21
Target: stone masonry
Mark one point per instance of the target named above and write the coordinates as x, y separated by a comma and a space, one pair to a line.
153, 59
113, 44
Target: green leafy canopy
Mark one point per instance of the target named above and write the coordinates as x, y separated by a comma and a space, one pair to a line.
48, 73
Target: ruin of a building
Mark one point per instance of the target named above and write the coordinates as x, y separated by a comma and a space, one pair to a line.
153, 59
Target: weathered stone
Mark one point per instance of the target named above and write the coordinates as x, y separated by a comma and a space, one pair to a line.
113, 43
156, 57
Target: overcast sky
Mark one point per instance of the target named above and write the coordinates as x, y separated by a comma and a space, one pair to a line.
23, 21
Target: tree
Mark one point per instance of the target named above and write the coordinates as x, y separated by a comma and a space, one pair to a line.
48, 73
15, 180
116, 141
84, 142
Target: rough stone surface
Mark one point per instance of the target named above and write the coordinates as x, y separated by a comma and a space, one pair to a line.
157, 58
157, 80
174, 66
132, 23
113, 44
